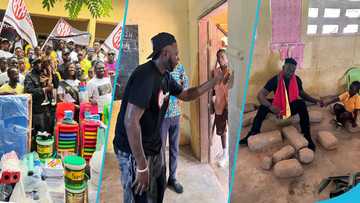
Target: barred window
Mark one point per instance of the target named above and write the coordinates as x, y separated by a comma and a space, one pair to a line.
333, 17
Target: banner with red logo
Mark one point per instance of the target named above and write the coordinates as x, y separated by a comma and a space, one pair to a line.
64, 31
113, 41
18, 17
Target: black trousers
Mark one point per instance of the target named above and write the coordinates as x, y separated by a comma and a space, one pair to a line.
39, 123
297, 107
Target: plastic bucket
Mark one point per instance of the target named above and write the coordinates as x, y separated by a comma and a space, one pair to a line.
44, 148
76, 194
74, 171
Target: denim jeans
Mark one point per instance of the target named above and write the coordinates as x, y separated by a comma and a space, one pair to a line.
157, 172
171, 126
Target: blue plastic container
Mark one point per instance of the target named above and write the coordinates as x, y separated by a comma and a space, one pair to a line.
13, 139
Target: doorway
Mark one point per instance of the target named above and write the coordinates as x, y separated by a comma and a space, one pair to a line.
212, 37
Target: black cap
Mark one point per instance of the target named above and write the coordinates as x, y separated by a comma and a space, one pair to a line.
290, 61
160, 41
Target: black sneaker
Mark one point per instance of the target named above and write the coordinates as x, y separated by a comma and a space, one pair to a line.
175, 186
244, 141
45, 103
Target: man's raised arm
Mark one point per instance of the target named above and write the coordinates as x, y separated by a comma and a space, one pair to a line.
194, 92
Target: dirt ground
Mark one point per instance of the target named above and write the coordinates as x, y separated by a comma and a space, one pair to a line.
253, 184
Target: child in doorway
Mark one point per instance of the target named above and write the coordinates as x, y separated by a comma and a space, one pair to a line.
46, 79
220, 100
347, 110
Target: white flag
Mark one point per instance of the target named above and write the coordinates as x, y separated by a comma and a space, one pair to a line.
18, 17
63, 30
113, 40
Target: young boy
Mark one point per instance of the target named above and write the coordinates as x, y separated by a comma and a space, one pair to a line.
46, 79
220, 100
347, 110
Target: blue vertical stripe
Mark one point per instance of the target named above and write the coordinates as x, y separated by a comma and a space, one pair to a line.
248, 65
118, 63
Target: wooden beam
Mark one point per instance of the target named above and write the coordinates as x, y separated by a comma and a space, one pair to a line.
30, 121
218, 26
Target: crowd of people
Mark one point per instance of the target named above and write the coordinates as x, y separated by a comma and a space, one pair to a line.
53, 73
63, 71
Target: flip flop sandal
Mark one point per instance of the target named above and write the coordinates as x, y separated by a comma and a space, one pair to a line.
337, 123
342, 184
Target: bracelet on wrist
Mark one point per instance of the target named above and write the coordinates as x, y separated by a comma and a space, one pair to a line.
142, 170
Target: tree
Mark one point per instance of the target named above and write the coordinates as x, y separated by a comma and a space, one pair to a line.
97, 8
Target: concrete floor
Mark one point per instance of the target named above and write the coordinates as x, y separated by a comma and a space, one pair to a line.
201, 181
221, 173
253, 184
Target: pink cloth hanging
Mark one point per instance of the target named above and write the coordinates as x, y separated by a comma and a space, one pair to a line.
286, 21
284, 52
286, 29
297, 52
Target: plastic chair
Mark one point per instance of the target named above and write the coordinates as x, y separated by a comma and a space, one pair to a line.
61, 108
87, 107
352, 75
67, 137
89, 132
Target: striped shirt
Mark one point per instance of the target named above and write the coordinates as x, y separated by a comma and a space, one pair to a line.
174, 108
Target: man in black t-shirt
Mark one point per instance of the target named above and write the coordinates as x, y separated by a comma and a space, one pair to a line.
137, 141
66, 59
297, 106
40, 114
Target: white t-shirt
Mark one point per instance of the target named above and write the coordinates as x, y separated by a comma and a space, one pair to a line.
73, 56
100, 90
6, 54
67, 97
59, 57
4, 78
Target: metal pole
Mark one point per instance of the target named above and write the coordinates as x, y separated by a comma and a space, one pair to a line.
45, 42
2, 25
